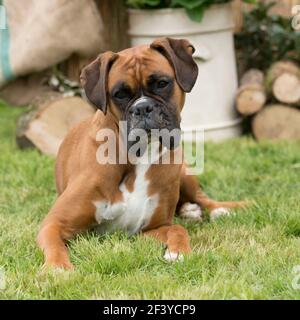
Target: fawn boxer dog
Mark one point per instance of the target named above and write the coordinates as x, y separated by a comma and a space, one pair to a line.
146, 87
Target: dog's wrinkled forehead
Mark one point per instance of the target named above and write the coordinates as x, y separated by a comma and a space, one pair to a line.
135, 65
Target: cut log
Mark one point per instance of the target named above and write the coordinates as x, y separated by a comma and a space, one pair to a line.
253, 76
47, 124
251, 96
286, 88
277, 122
280, 67
283, 80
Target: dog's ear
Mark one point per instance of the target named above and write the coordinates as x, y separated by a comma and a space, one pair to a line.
179, 53
93, 79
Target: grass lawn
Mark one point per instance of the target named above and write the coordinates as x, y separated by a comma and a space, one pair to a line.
250, 255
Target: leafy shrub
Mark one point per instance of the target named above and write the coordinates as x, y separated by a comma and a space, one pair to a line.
266, 38
194, 8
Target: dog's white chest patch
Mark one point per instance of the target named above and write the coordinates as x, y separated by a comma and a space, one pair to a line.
134, 212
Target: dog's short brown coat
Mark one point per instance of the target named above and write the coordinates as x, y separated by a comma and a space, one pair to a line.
81, 180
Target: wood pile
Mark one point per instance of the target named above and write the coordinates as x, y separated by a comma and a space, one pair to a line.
272, 101
46, 125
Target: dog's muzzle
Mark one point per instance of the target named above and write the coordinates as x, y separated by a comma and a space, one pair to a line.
147, 113
148, 117
144, 114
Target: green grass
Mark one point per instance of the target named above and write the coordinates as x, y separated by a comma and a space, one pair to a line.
250, 255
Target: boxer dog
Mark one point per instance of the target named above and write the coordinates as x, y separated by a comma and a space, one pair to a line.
144, 86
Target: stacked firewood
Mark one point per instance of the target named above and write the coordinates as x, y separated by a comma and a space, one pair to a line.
272, 101
49, 120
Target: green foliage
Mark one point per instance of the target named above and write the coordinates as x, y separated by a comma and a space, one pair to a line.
266, 38
194, 8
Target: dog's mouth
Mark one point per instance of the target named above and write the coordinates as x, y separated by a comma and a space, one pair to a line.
147, 131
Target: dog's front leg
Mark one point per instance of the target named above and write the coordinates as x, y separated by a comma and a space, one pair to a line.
51, 240
175, 237
72, 212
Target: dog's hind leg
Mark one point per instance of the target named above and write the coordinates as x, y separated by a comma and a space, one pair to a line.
193, 199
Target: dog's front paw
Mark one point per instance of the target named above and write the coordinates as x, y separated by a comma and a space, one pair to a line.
219, 212
58, 265
190, 211
173, 256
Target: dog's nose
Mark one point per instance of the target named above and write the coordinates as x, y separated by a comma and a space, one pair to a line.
142, 107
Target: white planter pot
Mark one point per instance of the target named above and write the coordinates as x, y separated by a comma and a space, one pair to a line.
210, 105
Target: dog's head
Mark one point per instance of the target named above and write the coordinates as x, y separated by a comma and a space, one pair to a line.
144, 85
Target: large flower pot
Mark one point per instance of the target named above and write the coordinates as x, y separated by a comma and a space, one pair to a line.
210, 105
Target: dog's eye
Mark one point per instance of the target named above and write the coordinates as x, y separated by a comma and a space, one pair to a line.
162, 84
121, 94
